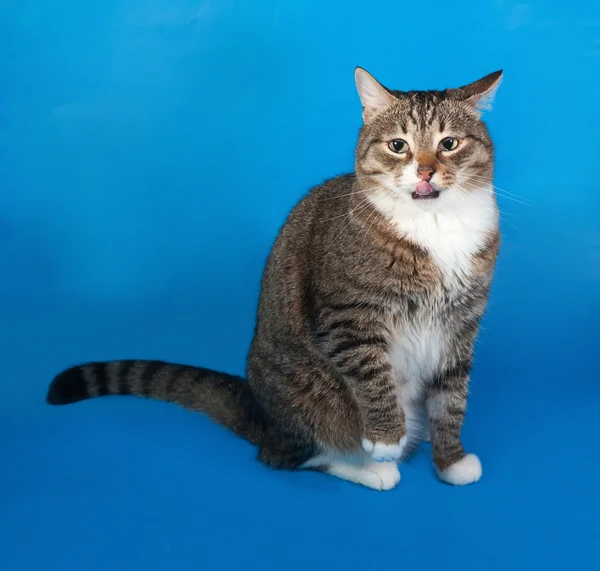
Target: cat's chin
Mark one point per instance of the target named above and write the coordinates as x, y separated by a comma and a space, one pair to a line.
431, 196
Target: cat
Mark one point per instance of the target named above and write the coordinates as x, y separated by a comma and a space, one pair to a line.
369, 308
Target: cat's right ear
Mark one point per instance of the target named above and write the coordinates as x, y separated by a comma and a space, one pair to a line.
374, 97
480, 93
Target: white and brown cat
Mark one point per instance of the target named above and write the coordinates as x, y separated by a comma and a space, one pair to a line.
369, 308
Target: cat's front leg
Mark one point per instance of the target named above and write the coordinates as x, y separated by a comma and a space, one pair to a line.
361, 357
384, 425
446, 405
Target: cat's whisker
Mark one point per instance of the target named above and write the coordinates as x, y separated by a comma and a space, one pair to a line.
466, 198
498, 192
363, 205
462, 194
348, 194
367, 232
362, 202
501, 190
507, 193
501, 195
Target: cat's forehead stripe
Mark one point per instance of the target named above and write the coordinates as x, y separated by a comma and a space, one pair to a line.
422, 109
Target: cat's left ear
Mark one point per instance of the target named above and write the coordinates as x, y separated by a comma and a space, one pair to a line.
480, 93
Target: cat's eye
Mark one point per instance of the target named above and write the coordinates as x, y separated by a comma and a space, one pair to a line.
449, 144
398, 145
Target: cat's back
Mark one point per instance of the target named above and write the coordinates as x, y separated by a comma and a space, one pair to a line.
317, 210
319, 206
297, 249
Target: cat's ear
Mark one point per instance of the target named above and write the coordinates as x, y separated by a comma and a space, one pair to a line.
480, 93
374, 97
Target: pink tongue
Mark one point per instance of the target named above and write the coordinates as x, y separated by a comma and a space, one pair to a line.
423, 189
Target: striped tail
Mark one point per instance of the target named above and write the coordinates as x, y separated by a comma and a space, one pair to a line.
227, 399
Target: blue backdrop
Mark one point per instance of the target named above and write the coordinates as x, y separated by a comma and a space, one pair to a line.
149, 152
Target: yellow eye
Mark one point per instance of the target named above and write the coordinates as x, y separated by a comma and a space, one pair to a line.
449, 144
398, 146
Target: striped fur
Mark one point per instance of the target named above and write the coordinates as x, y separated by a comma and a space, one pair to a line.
227, 399
369, 308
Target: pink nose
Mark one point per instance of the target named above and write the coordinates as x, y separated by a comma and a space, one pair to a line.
425, 173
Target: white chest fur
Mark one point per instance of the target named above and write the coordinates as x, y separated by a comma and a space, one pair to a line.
416, 354
452, 228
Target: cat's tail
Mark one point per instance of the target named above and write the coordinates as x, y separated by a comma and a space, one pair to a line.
227, 399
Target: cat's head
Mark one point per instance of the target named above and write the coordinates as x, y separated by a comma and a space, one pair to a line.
425, 146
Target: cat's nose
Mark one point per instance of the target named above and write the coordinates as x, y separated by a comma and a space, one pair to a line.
425, 173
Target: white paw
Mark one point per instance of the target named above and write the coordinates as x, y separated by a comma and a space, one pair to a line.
381, 452
381, 476
466, 471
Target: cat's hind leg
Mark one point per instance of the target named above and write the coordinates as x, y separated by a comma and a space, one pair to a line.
321, 431
358, 468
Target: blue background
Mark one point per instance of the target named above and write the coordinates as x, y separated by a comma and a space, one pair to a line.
149, 152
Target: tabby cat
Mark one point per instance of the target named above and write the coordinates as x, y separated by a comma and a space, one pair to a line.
370, 304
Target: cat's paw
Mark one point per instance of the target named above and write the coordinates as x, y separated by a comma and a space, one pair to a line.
466, 471
381, 452
381, 476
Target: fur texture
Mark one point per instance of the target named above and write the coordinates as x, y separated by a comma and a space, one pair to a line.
369, 308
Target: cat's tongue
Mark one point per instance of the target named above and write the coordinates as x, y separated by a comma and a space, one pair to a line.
423, 189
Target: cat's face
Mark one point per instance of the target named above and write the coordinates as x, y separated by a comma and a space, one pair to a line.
424, 146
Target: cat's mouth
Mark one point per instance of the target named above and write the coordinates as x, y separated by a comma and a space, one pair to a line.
424, 192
